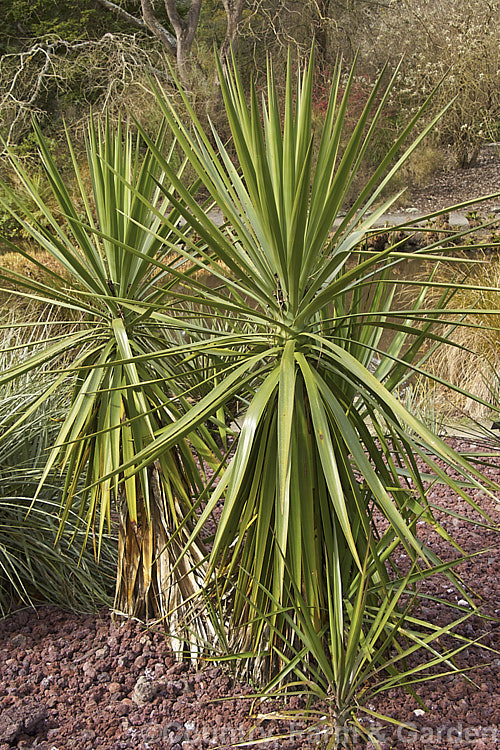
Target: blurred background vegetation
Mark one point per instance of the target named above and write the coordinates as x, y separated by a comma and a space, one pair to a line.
59, 59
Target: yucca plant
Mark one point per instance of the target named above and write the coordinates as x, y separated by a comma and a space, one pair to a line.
112, 239
381, 648
324, 440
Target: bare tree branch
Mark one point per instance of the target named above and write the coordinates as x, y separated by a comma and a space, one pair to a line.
173, 16
184, 30
157, 28
148, 22
122, 13
193, 18
112, 70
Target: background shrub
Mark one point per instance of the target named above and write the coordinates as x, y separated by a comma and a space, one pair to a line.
35, 564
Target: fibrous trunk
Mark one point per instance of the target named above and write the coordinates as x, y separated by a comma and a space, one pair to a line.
154, 580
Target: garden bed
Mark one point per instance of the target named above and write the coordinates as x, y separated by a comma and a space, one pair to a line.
79, 681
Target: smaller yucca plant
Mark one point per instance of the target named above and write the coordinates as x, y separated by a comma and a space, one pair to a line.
339, 675
112, 240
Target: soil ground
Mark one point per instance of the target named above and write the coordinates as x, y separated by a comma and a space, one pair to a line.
449, 185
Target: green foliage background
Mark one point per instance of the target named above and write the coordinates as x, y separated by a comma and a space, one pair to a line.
462, 39
25, 20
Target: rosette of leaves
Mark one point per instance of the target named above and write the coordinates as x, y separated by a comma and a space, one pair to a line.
111, 246
325, 483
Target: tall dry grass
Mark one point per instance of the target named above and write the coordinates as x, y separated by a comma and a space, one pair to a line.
473, 362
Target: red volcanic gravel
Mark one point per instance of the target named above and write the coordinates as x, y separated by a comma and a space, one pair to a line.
80, 681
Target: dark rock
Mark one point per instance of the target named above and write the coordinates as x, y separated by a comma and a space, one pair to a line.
18, 641
25, 718
145, 690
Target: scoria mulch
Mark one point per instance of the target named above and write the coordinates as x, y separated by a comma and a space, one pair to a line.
80, 681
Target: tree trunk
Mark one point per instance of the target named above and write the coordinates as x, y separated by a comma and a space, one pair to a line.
147, 585
185, 31
234, 9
